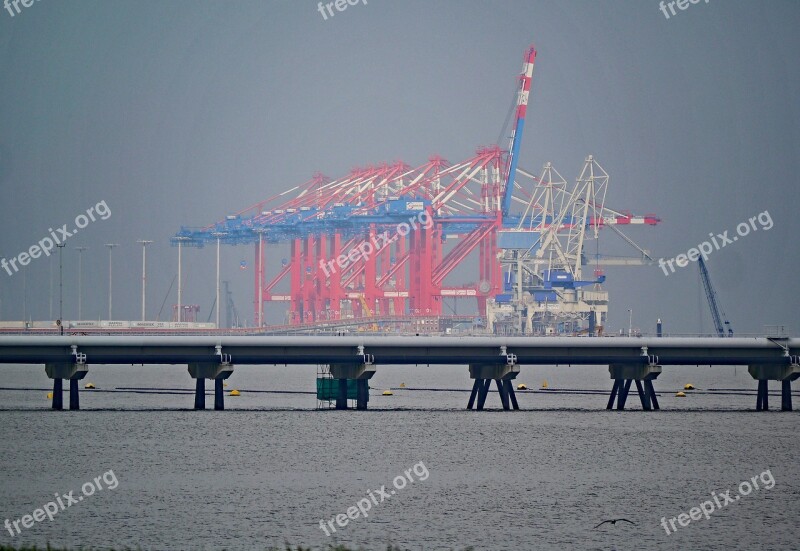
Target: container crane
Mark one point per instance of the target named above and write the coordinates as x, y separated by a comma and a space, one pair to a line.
721, 322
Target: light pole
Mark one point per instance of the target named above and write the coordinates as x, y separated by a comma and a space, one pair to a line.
61, 286
110, 248
80, 281
144, 243
51, 288
24, 295
630, 321
219, 236
260, 271
180, 240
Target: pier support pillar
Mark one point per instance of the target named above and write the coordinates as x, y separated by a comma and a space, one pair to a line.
58, 394
502, 375
218, 371
362, 394
786, 395
74, 372
361, 374
341, 396
785, 373
625, 375
200, 393
74, 397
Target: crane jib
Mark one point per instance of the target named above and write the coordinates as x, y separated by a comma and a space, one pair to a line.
516, 138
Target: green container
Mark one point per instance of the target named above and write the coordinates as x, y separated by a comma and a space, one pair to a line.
328, 389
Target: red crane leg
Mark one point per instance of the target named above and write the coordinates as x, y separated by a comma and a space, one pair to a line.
295, 285
400, 277
320, 289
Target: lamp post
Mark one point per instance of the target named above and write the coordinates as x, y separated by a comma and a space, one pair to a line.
630, 321
61, 286
144, 244
50, 261
180, 240
260, 271
80, 281
110, 280
219, 236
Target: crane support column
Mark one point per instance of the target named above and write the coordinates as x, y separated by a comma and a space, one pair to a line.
764, 373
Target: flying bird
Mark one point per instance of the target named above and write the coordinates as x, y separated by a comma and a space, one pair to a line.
614, 521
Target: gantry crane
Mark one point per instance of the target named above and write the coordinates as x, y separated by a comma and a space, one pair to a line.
721, 323
410, 271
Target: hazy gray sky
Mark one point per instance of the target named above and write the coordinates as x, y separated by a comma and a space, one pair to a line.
178, 113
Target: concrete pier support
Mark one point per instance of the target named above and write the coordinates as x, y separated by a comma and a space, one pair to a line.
625, 375
502, 375
219, 397
58, 394
200, 393
361, 374
74, 372
209, 370
764, 373
362, 394
341, 396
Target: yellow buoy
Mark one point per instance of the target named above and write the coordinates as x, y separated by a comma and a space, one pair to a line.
522, 386
49, 395
688, 386
680, 394
388, 393
89, 386
225, 384
402, 385
234, 392
544, 384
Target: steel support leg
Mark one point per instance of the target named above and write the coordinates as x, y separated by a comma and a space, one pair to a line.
762, 399
623, 394
219, 397
483, 391
476, 386
614, 389
759, 400
341, 398
501, 388
648, 385
200, 394
74, 397
644, 395
511, 395
362, 394
786, 395
58, 397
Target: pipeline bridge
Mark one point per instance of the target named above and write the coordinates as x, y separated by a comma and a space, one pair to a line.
353, 360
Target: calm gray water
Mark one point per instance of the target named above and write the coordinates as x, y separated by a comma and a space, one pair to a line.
266, 471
